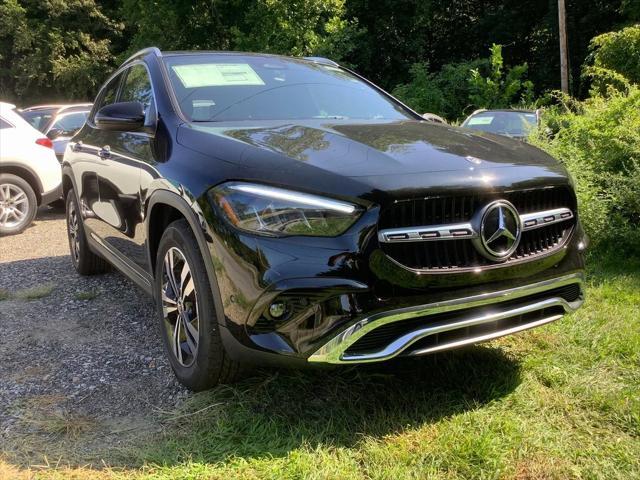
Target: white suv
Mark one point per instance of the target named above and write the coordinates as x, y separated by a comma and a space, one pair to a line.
30, 174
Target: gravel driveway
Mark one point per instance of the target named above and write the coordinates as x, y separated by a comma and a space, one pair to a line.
81, 362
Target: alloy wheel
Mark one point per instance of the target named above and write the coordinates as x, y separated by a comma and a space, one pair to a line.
73, 227
14, 205
180, 307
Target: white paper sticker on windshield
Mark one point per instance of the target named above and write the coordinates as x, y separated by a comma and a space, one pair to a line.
216, 75
480, 121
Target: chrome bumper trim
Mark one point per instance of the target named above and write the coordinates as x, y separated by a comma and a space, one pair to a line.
334, 350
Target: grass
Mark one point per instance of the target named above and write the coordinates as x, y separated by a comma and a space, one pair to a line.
562, 401
86, 295
34, 293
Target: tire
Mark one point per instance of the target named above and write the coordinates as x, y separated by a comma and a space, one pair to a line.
84, 260
187, 311
18, 204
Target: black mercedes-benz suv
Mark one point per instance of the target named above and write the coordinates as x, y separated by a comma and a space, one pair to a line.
287, 210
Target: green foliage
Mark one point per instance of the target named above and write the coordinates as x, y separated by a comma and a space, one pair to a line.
599, 142
500, 88
423, 92
54, 48
615, 59
276, 26
460, 87
289, 26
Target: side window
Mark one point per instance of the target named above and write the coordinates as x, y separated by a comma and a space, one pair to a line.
109, 93
4, 124
70, 122
137, 88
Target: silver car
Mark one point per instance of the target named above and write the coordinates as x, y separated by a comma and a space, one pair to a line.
58, 122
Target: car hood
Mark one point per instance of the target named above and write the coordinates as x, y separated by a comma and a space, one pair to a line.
384, 156
381, 148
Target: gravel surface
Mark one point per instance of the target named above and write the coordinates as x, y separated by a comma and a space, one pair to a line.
82, 365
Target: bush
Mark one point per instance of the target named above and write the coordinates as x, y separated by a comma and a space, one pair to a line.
599, 142
500, 88
614, 60
459, 88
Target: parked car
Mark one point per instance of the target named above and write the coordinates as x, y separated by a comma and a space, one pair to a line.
510, 122
287, 210
30, 174
58, 122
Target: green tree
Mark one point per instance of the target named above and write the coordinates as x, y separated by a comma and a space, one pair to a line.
277, 26
615, 59
500, 88
54, 49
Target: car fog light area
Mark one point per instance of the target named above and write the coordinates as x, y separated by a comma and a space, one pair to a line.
278, 212
278, 309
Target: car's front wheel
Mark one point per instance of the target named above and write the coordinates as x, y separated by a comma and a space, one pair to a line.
187, 313
18, 204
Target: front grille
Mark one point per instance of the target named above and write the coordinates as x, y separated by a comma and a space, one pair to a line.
382, 336
454, 255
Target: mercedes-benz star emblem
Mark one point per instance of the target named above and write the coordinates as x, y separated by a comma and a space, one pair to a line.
500, 229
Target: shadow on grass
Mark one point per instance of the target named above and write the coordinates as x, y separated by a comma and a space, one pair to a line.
604, 265
273, 413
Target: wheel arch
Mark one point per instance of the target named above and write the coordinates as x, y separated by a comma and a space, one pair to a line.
28, 175
164, 207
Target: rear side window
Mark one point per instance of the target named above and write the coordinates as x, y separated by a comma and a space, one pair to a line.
137, 88
70, 122
38, 119
4, 124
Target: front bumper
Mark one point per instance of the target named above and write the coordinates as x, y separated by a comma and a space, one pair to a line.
349, 303
476, 319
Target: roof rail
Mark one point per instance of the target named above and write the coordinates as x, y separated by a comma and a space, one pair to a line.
155, 50
324, 61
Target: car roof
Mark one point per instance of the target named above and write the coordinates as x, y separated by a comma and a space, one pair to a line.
58, 107
514, 110
175, 53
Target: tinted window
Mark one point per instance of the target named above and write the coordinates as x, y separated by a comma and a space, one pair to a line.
220, 87
137, 87
506, 123
70, 122
110, 92
40, 118
4, 124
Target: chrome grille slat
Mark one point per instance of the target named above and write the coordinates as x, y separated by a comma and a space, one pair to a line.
435, 233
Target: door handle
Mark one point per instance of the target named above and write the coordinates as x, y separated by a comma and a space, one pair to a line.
104, 152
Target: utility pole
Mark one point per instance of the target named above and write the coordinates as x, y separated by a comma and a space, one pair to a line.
564, 47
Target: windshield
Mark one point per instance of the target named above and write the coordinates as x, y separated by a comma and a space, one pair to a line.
224, 87
39, 118
516, 124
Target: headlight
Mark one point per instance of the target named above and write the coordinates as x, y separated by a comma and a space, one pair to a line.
275, 211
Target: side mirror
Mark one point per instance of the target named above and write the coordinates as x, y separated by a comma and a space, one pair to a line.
54, 133
432, 117
121, 117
